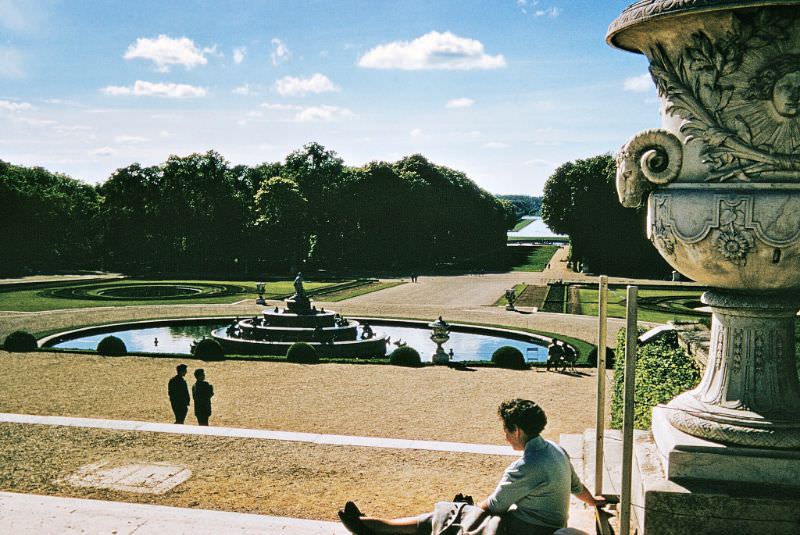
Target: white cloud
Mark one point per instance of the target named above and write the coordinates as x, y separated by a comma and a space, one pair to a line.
548, 12
280, 53
433, 50
102, 151
13, 16
471, 134
165, 51
532, 6
639, 84
496, 145
150, 89
36, 122
291, 86
63, 102
130, 139
238, 54
460, 103
417, 133
244, 89
11, 64
322, 114
537, 162
9, 105
71, 128
273, 106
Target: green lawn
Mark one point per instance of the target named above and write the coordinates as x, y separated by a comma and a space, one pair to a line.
617, 297
33, 300
544, 239
518, 288
349, 293
521, 224
538, 259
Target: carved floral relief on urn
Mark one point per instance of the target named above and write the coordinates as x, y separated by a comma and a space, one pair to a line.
721, 181
724, 171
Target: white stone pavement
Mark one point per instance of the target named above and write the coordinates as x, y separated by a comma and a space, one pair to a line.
237, 432
29, 514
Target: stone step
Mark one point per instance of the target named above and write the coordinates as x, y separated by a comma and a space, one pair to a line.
612, 460
29, 514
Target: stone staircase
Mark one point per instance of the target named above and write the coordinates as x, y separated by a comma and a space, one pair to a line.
580, 448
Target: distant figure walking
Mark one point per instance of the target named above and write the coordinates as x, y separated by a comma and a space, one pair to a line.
179, 394
202, 392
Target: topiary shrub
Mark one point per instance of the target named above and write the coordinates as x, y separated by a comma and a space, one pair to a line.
662, 372
302, 353
610, 358
111, 346
208, 349
405, 356
509, 357
20, 341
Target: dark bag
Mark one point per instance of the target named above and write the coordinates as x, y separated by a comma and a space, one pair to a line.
460, 518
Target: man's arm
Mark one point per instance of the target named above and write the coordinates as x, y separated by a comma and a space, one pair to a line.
586, 497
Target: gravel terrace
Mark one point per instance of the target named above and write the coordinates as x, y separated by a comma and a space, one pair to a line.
282, 478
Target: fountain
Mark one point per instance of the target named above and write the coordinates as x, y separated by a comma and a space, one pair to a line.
276, 329
440, 334
722, 184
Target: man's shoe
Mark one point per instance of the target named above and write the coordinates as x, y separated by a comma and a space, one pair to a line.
353, 524
351, 509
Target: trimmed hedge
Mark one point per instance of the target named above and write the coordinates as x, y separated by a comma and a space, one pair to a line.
509, 357
302, 353
662, 372
208, 349
20, 341
111, 346
405, 356
610, 358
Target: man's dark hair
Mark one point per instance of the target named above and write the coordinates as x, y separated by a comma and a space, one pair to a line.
198, 372
180, 368
522, 413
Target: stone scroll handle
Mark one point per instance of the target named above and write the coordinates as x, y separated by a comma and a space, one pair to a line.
652, 158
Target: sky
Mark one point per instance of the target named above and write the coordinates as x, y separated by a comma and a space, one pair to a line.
503, 90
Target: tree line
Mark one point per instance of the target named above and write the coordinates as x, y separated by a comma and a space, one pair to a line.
524, 205
580, 200
200, 214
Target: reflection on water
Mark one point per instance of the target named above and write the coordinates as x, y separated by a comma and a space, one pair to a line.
536, 229
465, 346
178, 339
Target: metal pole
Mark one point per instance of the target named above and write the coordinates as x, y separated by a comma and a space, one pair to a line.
600, 417
627, 419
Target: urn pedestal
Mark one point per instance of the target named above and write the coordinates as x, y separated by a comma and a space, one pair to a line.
721, 180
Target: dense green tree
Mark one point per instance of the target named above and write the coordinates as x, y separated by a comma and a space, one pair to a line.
580, 200
48, 221
198, 214
524, 205
283, 221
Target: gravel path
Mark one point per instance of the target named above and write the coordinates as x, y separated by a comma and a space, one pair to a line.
287, 479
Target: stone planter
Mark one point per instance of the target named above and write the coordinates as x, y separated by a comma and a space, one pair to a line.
721, 179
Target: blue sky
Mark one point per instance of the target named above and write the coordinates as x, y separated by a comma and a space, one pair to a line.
504, 90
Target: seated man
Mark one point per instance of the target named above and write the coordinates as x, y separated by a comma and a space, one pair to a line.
554, 354
538, 485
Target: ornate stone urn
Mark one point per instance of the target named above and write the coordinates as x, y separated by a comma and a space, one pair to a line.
440, 334
721, 180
